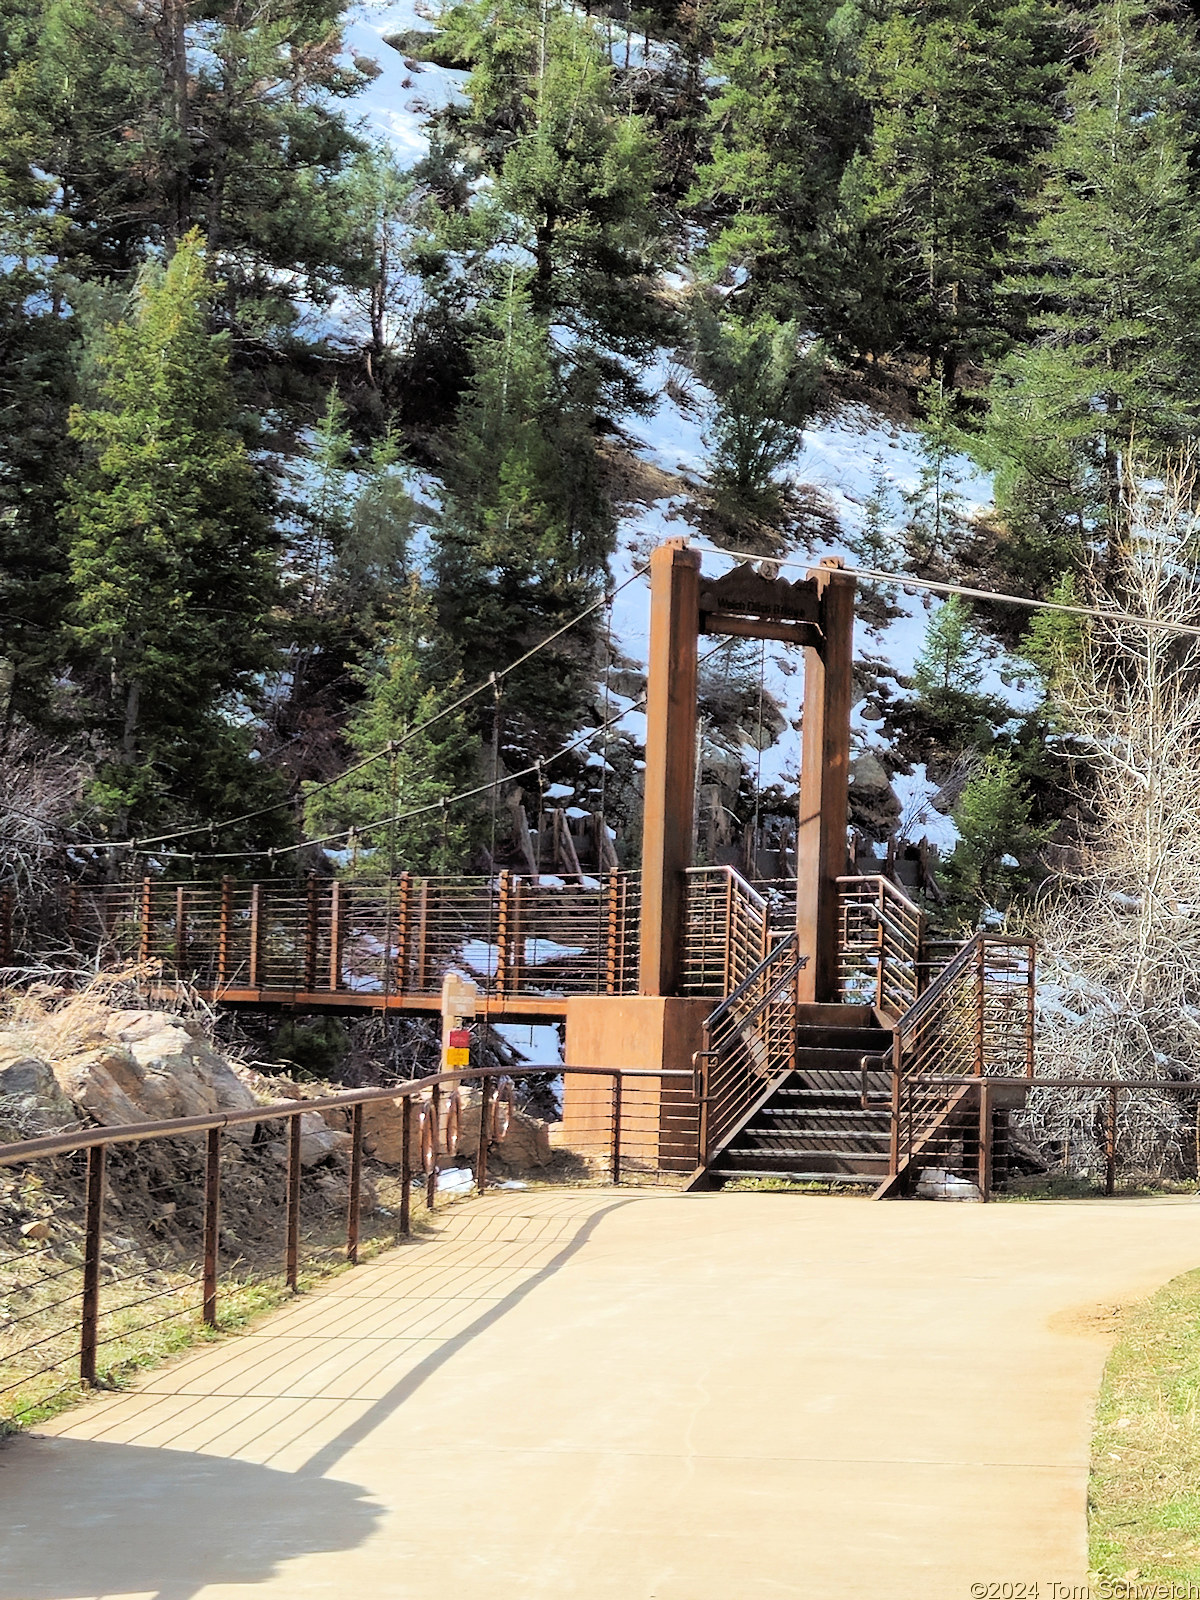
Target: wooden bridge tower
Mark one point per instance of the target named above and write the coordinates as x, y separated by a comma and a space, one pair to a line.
659, 1026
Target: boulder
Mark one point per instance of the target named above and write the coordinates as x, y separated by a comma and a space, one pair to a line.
28, 1085
383, 1133
318, 1141
151, 1067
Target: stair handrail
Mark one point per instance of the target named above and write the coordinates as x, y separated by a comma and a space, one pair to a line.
725, 1099
967, 1017
895, 958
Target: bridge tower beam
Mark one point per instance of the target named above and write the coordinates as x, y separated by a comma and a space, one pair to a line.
825, 781
670, 779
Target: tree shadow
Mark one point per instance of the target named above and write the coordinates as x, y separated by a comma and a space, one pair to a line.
81, 1517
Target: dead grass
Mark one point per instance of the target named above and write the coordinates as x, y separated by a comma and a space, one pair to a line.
1144, 1494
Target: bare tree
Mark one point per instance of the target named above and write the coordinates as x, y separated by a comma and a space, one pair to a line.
1119, 926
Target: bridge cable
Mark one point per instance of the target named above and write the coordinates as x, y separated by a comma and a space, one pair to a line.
137, 846
906, 581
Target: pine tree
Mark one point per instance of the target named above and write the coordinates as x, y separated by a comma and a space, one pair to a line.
404, 687
993, 860
781, 126
572, 172
960, 97
171, 549
951, 656
524, 538
1111, 290
765, 386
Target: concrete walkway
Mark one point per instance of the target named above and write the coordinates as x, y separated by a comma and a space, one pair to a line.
620, 1396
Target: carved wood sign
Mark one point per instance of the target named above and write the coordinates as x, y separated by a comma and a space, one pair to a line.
745, 592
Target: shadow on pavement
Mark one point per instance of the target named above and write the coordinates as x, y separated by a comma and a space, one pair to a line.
83, 1518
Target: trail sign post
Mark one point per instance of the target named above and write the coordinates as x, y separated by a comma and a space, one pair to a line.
459, 999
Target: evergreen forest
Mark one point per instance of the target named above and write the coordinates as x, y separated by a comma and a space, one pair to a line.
344, 390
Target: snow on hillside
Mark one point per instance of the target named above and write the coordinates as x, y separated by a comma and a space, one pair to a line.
396, 104
849, 457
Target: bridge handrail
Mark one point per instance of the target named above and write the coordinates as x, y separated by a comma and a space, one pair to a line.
435, 1097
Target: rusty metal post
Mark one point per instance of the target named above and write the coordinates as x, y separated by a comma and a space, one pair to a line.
292, 1248
481, 1155
980, 1006
434, 1114
616, 1129
669, 780
311, 931
1030, 1011
612, 979
181, 932
146, 906
1110, 1144
406, 1165
224, 931
503, 931
256, 921
985, 1140
336, 910
93, 1244
354, 1209
824, 782
894, 1143
403, 931
212, 1223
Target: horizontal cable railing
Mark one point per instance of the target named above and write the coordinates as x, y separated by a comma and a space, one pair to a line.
87, 1293
880, 945
974, 1022
749, 1042
726, 931
511, 934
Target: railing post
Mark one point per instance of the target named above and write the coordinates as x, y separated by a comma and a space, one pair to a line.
181, 932
703, 1063
422, 935
980, 999
311, 930
894, 1143
503, 917
145, 912
403, 931
93, 1243
728, 984
985, 1140
254, 977
481, 1154
353, 1211
1030, 1008
292, 1248
612, 969
616, 1128
336, 917
434, 1113
406, 1165
1110, 1144
224, 931
212, 1223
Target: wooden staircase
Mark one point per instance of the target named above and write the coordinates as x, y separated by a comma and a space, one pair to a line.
813, 1124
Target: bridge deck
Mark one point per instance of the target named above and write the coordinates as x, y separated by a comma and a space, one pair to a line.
590, 1394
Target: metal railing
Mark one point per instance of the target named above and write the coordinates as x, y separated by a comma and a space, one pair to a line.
511, 934
975, 1022
97, 1278
726, 931
881, 935
749, 1043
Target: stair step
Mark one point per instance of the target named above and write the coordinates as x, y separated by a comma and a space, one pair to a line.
810, 1058
857, 1112
808, 1156
863, 1040
860, 1179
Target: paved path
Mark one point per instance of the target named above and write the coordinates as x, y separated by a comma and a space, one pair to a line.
618, 1397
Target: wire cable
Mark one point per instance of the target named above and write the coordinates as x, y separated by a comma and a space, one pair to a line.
907, 581
389, 749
